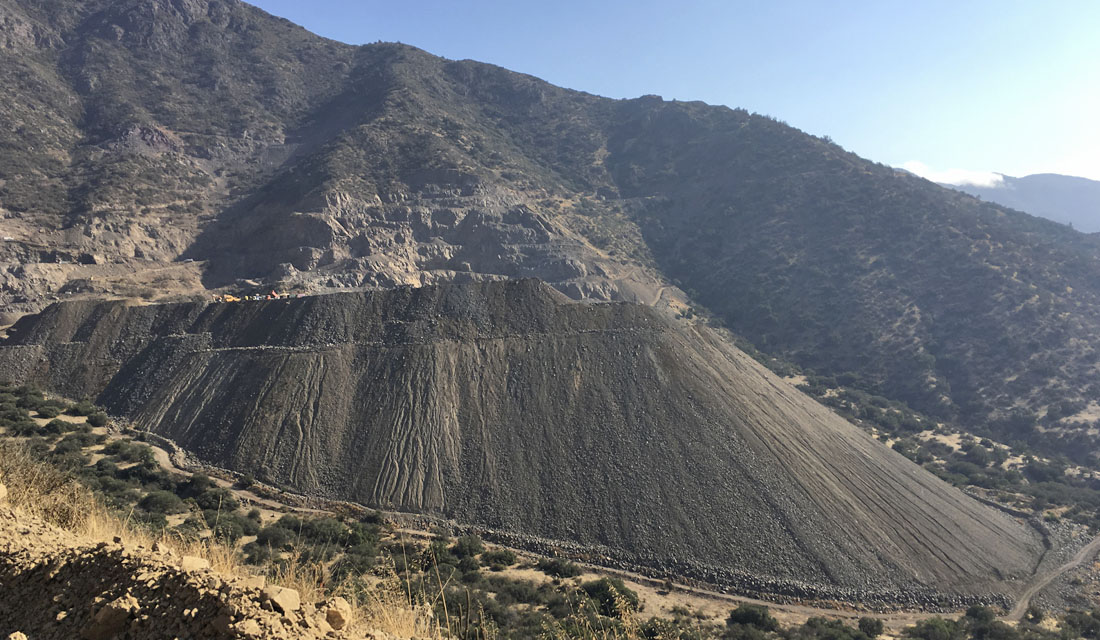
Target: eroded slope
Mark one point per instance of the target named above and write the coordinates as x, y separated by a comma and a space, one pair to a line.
504, 405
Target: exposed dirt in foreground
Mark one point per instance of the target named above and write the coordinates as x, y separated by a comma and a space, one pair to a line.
119, 590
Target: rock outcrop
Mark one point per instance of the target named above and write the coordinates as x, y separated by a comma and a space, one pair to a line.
649, 441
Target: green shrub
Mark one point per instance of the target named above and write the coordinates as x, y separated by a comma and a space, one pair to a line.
48, 411
324, 531
113, 486
247, 527
352, 564
371, 517
69, 460
824, 629
559, 568
129, 451
67, 446
106, 467
162, 502
498, 559
438, 553
467, 546
98, 419
257, 554
512, 591
468, 564
1079, 624
612, 596
291, 522
217, 498
743, 632
936, 628
360, 534
196, 485
56, 427
29, 398
82, 440
276, 537
82, 408
191, 528
871, 627
753, 616
228, 531
151, 519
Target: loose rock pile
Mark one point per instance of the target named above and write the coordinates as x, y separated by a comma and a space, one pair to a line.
502, 405
56, 585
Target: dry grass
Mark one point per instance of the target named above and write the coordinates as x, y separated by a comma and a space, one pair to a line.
387, 603
586, 625
39, 490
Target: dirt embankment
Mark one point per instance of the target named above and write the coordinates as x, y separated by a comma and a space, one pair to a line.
57, 585
599, 426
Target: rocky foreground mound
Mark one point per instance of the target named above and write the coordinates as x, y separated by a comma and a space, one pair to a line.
504, 405
56, 585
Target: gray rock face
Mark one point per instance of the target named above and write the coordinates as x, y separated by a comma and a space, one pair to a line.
507, 406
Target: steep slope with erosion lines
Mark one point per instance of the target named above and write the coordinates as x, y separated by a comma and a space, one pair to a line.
506, 405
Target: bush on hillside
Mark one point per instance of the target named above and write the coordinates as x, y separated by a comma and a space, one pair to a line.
162, 502
753, 616
467, 546
559, 568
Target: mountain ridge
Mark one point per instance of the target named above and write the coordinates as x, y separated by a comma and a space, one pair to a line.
1066, 199
165, 132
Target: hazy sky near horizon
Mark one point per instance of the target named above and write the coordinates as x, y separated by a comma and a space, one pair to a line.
952, 90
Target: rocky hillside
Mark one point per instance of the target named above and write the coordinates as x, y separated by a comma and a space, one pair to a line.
507, 406
147, 134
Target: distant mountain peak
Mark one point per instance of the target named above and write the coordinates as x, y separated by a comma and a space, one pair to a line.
1071, 200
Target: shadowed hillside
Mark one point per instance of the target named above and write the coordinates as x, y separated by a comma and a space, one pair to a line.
507, 406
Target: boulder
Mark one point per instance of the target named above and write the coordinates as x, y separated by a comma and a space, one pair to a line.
192, 563
254, 582
282, 599
337, 613
111, 619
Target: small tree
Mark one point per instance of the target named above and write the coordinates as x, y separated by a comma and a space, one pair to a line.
162, 502
872, 627
1034, 614
498, 559
468, 547
48, 411
754, 616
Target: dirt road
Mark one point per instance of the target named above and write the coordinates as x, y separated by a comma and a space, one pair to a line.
1041, 581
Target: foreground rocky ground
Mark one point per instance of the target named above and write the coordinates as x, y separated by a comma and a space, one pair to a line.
119, 590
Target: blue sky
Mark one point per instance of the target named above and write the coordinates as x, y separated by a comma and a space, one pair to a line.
963, 88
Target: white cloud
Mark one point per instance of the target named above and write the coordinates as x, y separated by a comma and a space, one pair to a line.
954, 176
